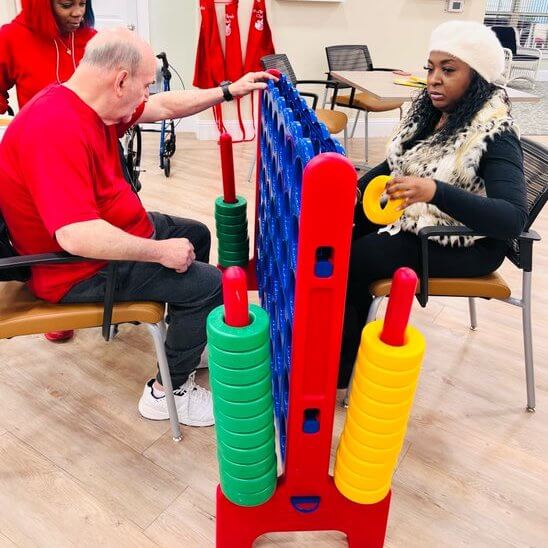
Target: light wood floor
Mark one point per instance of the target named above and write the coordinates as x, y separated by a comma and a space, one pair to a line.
80, 467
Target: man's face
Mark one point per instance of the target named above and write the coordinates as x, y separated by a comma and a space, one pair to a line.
136, 88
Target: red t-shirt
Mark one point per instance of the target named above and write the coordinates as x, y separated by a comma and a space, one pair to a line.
60, 164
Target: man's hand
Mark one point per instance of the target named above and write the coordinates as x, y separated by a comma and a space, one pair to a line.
176, 253
250, 82
411, 190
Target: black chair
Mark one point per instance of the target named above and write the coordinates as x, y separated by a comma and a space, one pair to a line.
492, 286
21, 313
521, 63
358, 58
333, 120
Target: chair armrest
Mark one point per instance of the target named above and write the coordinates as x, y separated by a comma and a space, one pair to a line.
19, 261
529, 51
385, 69
310, 94
424, 235
523, 259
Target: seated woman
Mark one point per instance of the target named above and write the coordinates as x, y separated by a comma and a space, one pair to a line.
454, 160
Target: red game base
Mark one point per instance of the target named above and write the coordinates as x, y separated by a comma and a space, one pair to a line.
363, 524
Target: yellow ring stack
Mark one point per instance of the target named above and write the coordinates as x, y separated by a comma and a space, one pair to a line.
381, 397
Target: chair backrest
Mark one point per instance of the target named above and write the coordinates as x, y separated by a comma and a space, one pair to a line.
535, 166
279, 61
507, 37
348, 57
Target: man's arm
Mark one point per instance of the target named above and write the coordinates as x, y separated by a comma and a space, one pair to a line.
180, 104
98, 239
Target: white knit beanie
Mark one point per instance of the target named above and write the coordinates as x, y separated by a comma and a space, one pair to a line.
473, 43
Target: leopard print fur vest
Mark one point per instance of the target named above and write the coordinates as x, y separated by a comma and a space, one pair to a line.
455, 162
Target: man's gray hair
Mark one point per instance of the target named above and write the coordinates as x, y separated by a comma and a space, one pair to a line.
114, 55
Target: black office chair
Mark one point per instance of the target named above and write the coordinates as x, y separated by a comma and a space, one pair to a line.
333, 120
356, 57
521, 63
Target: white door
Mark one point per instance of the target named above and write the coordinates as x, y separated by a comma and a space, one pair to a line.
132, 14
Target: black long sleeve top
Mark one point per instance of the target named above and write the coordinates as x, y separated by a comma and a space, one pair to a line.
502, 213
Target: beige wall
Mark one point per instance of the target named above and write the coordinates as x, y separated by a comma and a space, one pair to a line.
174, 29
396, 31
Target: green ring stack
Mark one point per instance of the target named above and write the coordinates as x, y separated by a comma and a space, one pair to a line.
231, 224
239, 369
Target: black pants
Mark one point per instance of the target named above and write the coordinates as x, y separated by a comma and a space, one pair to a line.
376, 256
190, 296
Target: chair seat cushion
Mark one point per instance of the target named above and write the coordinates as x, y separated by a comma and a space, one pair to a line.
23, 314
491, 286
366, 101
335, 120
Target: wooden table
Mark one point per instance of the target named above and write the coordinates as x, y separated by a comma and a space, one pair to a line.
381, 85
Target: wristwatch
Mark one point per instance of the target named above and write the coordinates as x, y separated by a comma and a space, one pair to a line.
226, 93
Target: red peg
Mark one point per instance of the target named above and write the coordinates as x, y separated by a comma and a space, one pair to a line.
404, 285
235, 297
227, 164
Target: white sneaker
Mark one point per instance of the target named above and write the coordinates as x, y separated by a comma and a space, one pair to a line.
193, 402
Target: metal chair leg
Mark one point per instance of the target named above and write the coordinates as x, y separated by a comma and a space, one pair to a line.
355, 124
366, 116
251, 168
345, 139
371, 316
473, 315
158, 332
528, 341
324, 98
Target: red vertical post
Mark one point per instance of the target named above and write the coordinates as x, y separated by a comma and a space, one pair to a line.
402, 292
227, 164
235, 297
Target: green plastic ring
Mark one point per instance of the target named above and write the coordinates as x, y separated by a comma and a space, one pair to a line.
228, 209
239, 360
231, 230
255, 499
232, 238
246, 456
248, 486
238, 339
242, 376
247, 393
246, 426
242, 410
234, 246
249, 440
246, 471
222, 220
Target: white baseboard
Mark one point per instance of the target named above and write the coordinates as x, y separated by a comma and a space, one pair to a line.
206, 130
542, 76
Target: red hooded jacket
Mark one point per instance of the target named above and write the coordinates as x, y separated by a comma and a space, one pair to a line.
33, 53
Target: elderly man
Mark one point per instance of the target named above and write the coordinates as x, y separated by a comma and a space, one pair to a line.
63, 189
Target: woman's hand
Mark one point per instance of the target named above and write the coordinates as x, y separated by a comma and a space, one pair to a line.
410, 189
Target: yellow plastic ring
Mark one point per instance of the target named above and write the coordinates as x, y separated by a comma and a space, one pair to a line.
360, 496
372, 203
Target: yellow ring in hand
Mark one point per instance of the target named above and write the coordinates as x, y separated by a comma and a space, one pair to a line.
372, 203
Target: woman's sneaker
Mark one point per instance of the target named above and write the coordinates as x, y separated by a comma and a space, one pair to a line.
193, 402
